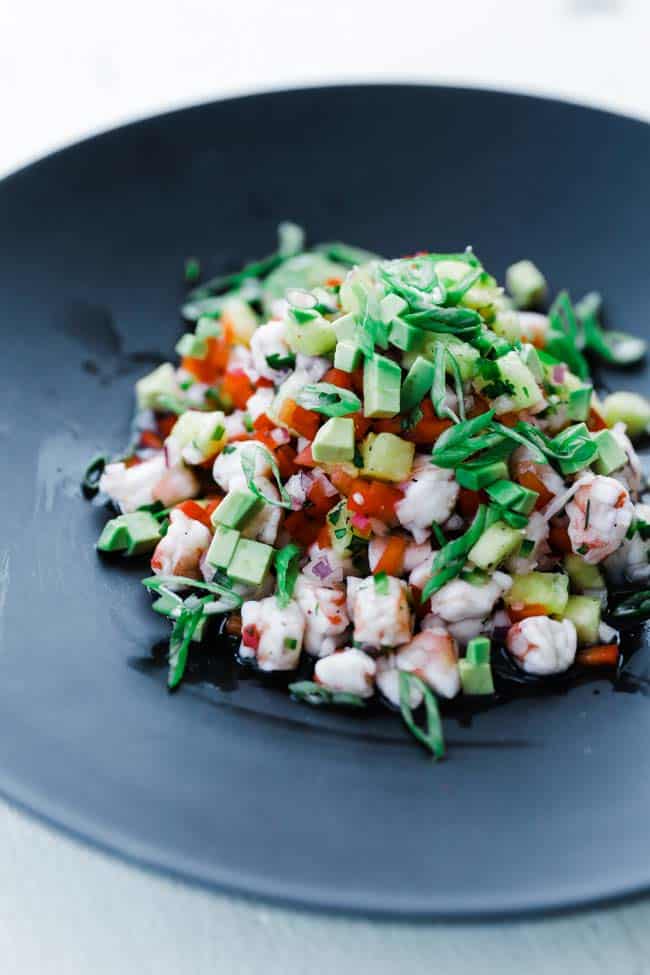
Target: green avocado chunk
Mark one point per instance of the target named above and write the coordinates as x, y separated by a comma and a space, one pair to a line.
132, 534
382, 379
251, 562
222, 547
611, 456
238, 506
334, 442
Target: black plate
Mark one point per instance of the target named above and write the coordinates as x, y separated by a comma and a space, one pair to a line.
542, 804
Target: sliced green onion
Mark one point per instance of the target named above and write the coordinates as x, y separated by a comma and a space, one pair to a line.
312, 693
431, 736
280, 362
636, 605
92, 475
450, 560
248, 468
328, 399
286, 568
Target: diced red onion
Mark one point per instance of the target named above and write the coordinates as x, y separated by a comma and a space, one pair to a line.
280, 436
322, 569
325, 483
558, 374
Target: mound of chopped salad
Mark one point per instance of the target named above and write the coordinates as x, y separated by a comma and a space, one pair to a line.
379, 475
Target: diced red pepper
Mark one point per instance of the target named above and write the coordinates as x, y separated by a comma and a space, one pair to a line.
213, 364
196, 511
263, 423
166, 423
341, 478
320, 500
603, 655
468, 501
558, 537
150, 440
285, 456
304, 422
238, 387
305, 458
392, 558
374, 499
302, 528
595, 421
250, 636
521, 611
338, 377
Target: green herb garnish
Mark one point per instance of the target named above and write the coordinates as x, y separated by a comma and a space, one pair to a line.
280, 362
286, 567
328, 399
450, 560
312, 693
248, 467
431, 736
92, 475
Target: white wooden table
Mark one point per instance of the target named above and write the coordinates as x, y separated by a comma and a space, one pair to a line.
70, 68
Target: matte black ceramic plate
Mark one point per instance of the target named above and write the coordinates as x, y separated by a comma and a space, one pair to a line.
541, 804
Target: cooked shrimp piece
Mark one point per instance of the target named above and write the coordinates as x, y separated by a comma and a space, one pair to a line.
460, 600
268, 340
326, 617
381, 613
538, 477
272, 635
543, 646
430, 495
327, 567
387, 681
534, 328
631, 475
227, 470
177, 484
131, 487
631, 562
416, 555
180, 551
432, 655
260, 402
348, 671
600, 514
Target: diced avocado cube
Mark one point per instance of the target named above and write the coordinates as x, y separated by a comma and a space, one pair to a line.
628, 408
417, 384
511, 495
191, 345
222, 547
582, 575
387, 457
251, 562
345, 327
579, 403
478, 650
316, 337
238, 506
152, 388
514, 388
526, 284
495, 544
133, 534
475, 679
611, 456
584, 613
543, 593
476, 478
334, 441
382, 379
404, 336
347, 355
390, 307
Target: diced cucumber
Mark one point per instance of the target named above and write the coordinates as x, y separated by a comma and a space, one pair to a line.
628, 408
155, 386
526, 284
483, 298
192, 345
506, 324
387, 457
288, 391
584, 613
315, 337
495, 544
205, 433
582, 575
544, 592
514, 387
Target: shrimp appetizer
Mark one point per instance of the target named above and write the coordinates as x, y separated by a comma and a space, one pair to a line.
385, 479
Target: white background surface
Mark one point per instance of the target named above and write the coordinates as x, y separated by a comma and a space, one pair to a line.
72, 68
